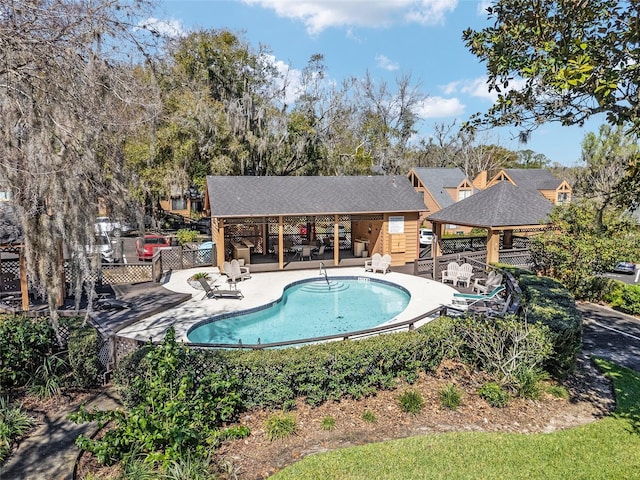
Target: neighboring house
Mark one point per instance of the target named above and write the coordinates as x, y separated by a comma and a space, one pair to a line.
191, 201
379, 214
543, 181
440, 188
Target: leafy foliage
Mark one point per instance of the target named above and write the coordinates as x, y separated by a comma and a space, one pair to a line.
450, 396
185, 236
280, 425
494, 394
48, 379
625, 298
328, 423
548, 303
174, 411
573, 61
24, 345
574, 251
368, 416
411, 401
14, 423
83, 357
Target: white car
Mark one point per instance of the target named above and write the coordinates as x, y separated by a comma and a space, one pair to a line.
113, 228
102, 246
426, 237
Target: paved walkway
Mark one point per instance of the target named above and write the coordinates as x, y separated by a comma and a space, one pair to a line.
50, 453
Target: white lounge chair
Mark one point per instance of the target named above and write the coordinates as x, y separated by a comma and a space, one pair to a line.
384, 265
215, 292
451, 273
369, 265
483, 285
465, 272
463, 301
242, 273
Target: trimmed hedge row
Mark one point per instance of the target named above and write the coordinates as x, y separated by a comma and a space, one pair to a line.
330, 371
549, 303
25, 344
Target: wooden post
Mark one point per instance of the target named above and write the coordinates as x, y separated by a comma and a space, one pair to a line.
24, 286
60, 265
336, 241
280, 242
493, 246
219, 243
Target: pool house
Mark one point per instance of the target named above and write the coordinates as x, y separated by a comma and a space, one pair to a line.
268, 221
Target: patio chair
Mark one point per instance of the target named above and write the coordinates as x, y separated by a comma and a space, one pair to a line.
241, 273
483, 285
305, 252
369, 265
215, 292
463, 301
465, 272
384, 265
451, 273
232, 277
496, 308
318, 252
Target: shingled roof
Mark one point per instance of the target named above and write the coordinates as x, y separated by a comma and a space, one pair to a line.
436, 180
503, 205
536, 178
10, 231
271, 196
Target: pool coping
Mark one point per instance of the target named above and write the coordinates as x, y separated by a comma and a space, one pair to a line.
267, 287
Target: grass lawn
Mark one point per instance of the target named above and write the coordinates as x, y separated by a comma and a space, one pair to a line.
606, 449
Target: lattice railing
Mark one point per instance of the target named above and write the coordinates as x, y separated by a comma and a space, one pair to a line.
119, 273
178, 258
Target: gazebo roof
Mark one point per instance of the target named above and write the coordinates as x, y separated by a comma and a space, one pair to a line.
271, 196
503, 205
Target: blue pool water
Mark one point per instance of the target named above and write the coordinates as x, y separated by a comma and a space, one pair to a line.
308, 309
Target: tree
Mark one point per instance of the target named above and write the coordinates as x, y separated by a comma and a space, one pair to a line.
574, 251
576, 59
67, 100
602, 180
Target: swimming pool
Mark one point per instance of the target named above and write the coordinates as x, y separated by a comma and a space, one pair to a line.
307, 309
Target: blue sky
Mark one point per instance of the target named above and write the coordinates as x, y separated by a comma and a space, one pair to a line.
388, 38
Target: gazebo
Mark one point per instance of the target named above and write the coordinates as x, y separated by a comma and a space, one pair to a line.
271, 216
501, 209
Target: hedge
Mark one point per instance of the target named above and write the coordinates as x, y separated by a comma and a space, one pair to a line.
548, 302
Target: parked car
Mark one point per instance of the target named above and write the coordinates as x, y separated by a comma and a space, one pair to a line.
625, 267
147, 245
111, 227
102, 245
426, 237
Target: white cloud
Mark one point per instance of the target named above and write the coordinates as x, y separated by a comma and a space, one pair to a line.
438, 107
482, 7
165, 28
385, 63
319, 15
289, 78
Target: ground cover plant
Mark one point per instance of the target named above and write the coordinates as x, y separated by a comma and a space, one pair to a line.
605, 449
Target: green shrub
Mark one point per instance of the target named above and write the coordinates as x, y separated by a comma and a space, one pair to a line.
199, 275
280, 425
175, 411
501, 346
24, 344
494, 395
557, 391
48, 379
14, 423
185, 236
529, 382
450, 397
548, 303
625, 298
411, 402
328, 423
368, 416
83, 357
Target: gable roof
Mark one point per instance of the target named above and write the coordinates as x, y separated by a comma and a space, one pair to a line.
270, 196
503, 205
535, 178
436, 180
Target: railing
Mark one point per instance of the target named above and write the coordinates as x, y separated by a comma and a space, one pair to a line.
126, 345
179, 258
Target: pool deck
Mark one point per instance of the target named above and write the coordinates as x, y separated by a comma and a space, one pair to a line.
266, 287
